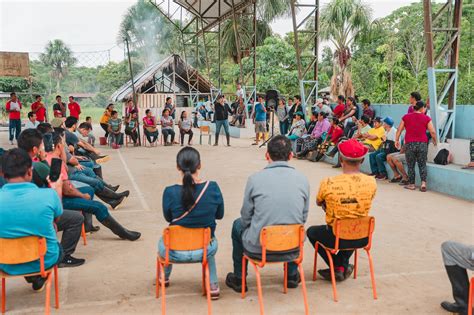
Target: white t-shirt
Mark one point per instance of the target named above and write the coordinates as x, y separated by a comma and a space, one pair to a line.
14, 106
391, 134
240, 93
30, 125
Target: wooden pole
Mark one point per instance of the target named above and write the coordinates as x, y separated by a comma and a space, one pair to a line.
134, 96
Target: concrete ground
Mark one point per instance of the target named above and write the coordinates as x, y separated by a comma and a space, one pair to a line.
118, 277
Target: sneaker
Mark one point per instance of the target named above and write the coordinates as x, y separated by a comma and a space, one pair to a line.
38, 284
167, 282
293, 281
235, 283
102, 159
91, 229
326, 275
381, 177
70, 261
215, 292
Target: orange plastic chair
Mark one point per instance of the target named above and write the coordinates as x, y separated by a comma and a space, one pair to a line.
24, 250
83, 234
180, 238
349, 229
278, 238
205, 131
471, 296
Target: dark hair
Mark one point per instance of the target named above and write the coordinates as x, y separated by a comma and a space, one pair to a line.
113, 112
85, 125
315, 114
15, 163
57, 96
147, 111
44, 128
71, 96
335, 120
58, 135
298, 97
30, 114
416, 96
88, 117
182, 113
37, 96
168, 98
12, 93
111, 104
365, 119
29, 138
323, 114
70, 121
341, 98
279, 148
188, 161
353, 101
419, 105
378, 119
164, 111
366, 102
290, 98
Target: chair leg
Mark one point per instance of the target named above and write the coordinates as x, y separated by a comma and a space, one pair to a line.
471, 295
316, 246
204, 280
372, 275
83, 234
4, 295
303, 287
56, 287
285, 278
244, 275
48, 294
333, 276
259, 289
163, 297
157, 278
208, 290
355, 264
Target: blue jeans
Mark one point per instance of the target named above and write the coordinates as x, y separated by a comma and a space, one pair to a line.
283, 127
88, 176
220, 124
191, 256
14, 127
238, 251
377, 160
90, 206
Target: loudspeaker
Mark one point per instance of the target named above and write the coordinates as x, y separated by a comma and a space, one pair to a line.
271, 99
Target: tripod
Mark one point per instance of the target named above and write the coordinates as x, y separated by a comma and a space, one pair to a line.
272, 117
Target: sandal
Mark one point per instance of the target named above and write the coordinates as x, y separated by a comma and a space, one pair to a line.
410, 187
423, 189
404, 182
396, 179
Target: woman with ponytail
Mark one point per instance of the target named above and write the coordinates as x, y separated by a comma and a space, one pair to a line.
194, 203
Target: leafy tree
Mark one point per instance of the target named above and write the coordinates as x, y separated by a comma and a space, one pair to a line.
58, 56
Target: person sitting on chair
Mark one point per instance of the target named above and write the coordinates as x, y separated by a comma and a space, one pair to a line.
115, 130
193, 203
149, 127
131, 127
278, 194
167, 127
345, 196
185, 127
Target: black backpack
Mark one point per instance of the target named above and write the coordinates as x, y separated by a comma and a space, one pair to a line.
442, 158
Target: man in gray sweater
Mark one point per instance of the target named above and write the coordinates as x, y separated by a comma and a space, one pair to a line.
276, 195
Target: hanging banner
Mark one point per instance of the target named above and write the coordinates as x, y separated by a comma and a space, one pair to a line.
14, 64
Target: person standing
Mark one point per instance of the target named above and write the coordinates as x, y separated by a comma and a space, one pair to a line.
221, 117
260, 120
104, 120
276, 195
282, 114
193, 203
74, 108
59, 109
416, 143
39, 109
240, 93
414, 98
368, 110
185, 127
345, 196
13, 107
129, 107
167, 127
295, 108
172, 108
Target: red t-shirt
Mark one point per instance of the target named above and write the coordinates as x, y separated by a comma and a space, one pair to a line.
416, 125
13, 114
339, 110
74, 109
40, 111
335, 133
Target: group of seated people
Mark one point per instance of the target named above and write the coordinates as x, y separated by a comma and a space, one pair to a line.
49, 184
112, 125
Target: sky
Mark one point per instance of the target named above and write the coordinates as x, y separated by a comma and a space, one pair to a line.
87, 25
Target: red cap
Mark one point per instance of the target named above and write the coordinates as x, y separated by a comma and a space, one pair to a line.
352, 149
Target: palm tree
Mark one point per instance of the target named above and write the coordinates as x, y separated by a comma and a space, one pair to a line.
342, 21
58, 56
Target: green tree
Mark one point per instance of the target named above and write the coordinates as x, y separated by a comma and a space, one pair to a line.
58, 57
342, 21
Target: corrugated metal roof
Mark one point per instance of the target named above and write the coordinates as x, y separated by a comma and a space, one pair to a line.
126, 91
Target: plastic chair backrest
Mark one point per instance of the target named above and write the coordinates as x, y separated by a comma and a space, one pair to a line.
23, 250
205, 129
354, 229
282, 238
177, 237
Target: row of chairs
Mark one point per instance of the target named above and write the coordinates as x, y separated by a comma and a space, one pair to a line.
204, 131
